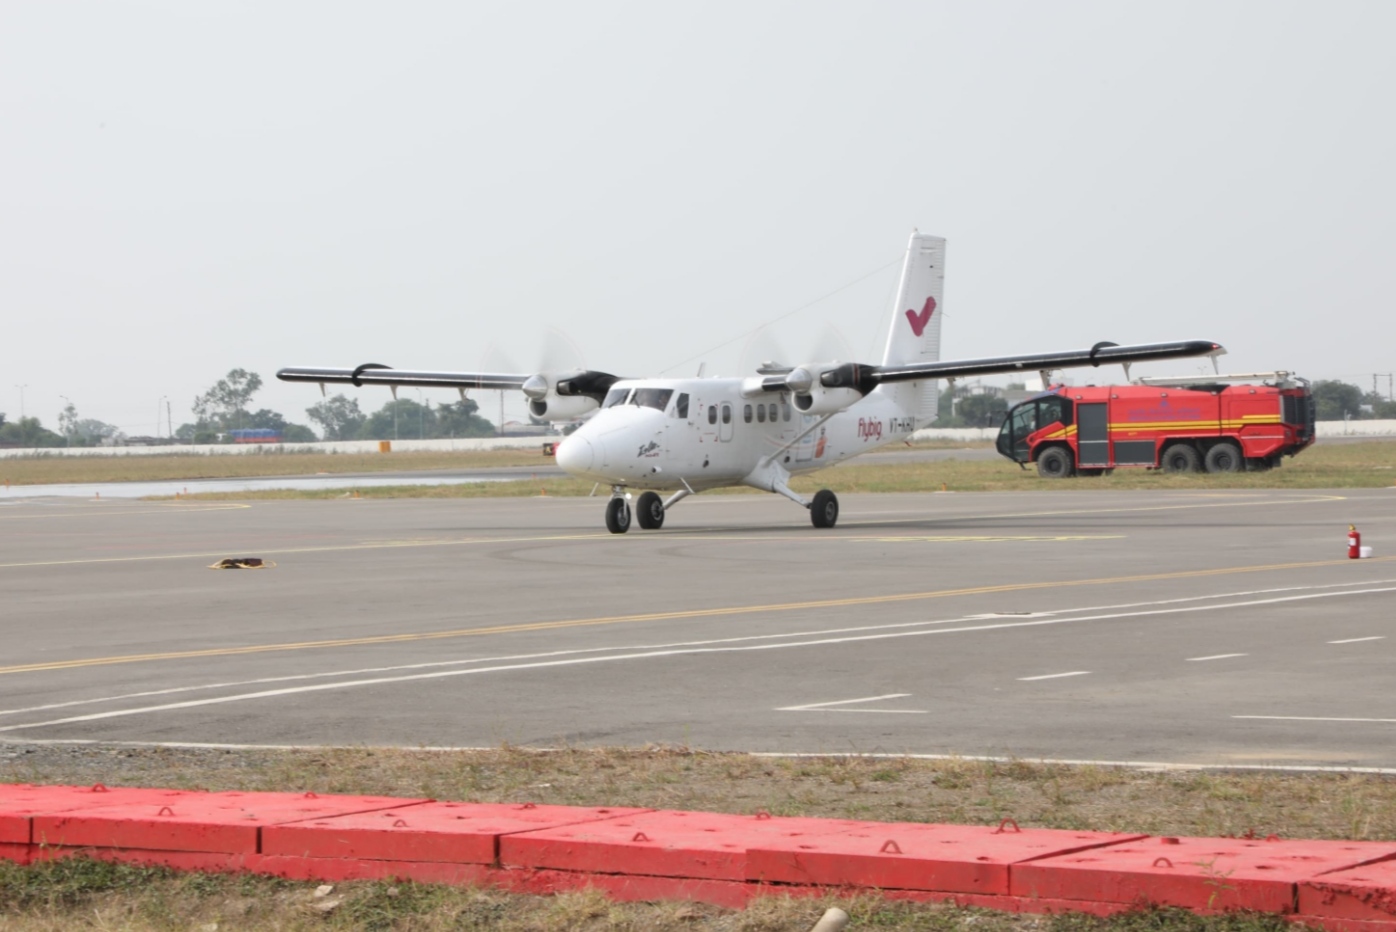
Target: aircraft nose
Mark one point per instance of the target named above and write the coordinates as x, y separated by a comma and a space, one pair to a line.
576, 454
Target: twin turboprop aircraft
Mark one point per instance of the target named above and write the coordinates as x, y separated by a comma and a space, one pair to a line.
684, 436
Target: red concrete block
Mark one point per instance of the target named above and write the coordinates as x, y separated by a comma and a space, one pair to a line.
1365, 893
1194, 873
20, 802
696, 845
465, 833
195, 821
909, 856
17, 853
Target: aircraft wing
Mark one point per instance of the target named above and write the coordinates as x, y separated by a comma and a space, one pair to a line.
866, 378
584, 383
375, 374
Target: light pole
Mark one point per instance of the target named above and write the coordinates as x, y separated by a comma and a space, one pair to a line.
421, 415
68, 433
162, 400
21, 398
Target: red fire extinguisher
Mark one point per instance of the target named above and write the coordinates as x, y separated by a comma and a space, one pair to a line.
1354, 542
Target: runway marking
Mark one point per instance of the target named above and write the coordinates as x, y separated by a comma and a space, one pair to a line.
665, 616
1216, 657
1314, 718
1375, 637
1053, 676
985, 539
648, 653
829, 706
328, 548
774, 636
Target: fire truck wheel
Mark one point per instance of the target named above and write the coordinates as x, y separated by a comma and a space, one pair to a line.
1181, 457
1224, 457
1055, 463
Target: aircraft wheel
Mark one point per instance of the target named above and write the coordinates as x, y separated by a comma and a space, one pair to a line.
617, 516
650, 511
1181, 457
1224, 457
824, 510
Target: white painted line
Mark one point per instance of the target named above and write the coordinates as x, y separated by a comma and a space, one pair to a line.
1053, 676
828, 706
1311, 718
825, 705
1216, 657
729, 645
1375, 637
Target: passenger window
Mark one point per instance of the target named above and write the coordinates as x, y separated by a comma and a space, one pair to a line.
746, 414
761, 413
712, 414
681, 406
784, 410
771, 411
727, 414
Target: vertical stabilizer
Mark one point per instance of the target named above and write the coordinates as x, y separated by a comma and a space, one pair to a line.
915, 332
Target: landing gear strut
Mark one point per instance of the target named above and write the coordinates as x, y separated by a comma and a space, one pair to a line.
824, 510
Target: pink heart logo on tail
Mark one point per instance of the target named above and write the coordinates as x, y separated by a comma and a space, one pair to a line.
919, 321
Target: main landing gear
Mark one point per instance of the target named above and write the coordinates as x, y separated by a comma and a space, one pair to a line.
824, 510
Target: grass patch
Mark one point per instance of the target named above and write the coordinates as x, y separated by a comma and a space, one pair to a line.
52, 468
91, 894
1336, 466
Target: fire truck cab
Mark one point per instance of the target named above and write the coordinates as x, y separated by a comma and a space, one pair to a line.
1178, 425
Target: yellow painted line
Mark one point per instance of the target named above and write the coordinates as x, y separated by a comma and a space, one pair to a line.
696, 534
329, 548
664, 616
985, 539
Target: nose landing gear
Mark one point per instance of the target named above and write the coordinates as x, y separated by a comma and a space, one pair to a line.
618, 515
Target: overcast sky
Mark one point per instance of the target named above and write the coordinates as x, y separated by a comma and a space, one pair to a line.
186, 188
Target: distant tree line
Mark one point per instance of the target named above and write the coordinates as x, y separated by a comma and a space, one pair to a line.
226, 407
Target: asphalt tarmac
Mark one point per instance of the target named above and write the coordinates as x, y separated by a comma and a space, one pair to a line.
1216, 627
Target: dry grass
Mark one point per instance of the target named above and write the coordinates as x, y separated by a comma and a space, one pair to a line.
53, 468
1340, 465
93, 895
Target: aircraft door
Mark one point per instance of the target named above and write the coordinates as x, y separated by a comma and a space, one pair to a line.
1092, 435
724, 422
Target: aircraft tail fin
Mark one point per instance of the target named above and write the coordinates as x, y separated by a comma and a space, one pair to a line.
915, 332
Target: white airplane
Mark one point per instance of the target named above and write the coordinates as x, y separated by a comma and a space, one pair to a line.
685, 436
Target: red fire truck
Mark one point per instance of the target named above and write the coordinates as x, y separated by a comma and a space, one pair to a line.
1178, 425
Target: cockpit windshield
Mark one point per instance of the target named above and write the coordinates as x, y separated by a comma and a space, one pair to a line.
657, 398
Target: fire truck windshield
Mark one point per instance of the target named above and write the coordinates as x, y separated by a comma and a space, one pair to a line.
1026, 419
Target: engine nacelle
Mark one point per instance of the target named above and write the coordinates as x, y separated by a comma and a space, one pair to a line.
555, 407
821, 400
